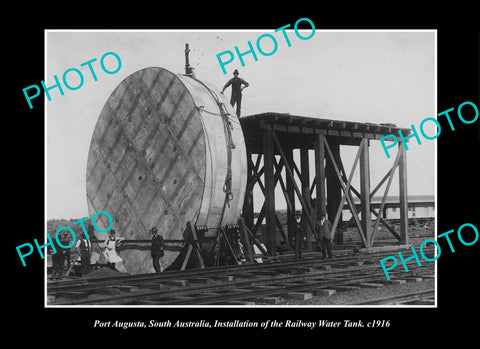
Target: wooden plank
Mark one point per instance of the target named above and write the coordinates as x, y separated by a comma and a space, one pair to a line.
301, 296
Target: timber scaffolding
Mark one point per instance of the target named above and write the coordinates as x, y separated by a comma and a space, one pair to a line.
273, 136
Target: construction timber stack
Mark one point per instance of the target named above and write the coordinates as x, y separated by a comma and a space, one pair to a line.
166, 150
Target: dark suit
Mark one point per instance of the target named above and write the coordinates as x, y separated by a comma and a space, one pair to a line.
324, 233
84, 248
236, 97
158, 246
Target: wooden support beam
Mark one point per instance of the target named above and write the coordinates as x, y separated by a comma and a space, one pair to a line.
347, 196
402, 171
321, 207
305, 180
268, 156
291, 222
374, 191
384, 222
279, 178
384, 199
372, 210
280, 229
352, 188
187, 257
260, 218
313, 186
248, 207
334, 191
365, 192
295, 186
297, 171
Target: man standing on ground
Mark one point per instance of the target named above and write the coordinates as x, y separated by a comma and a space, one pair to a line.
158, 246
299, 229
58, 258
237, 88
111, 254
84, 249
324, 233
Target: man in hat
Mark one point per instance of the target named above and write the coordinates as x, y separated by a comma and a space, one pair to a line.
84, 249
158, 245
324, 233
58, 257
237, 88
298, 236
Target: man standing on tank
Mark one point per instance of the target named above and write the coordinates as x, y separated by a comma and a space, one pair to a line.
237, 88
158, 245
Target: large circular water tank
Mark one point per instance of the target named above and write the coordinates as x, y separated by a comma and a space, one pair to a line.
165, 150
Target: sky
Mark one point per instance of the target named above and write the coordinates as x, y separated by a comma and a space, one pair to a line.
364, 76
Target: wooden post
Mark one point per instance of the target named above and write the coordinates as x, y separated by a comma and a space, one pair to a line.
291, 222
365, 192
268, 166
321, 207
295, 186
248, 209
334, 190
305, 171
402, 171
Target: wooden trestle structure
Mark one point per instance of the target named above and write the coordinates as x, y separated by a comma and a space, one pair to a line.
270, 140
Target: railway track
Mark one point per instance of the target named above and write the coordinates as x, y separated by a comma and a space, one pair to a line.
425, 297
242, 284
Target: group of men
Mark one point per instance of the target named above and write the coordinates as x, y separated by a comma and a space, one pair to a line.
113, 260
323, 233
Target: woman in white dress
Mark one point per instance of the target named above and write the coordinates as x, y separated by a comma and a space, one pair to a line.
114, 261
